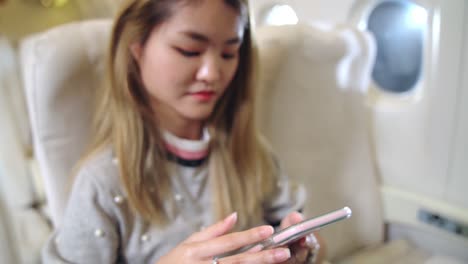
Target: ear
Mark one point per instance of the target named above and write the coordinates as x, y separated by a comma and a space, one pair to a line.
136, 50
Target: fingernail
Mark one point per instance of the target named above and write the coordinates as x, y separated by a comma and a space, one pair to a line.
267, 230
232, 217
311, 241
282, 254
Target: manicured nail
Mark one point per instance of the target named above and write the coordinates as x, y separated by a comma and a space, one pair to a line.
267, 230
311, 241
231, 218
282, 254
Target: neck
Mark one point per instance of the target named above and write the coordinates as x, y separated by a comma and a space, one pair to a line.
180, 127
187, 130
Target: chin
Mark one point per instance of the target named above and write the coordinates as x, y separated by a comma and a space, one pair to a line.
198, 115
197, 112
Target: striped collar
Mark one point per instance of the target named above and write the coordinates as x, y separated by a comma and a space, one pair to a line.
186, 152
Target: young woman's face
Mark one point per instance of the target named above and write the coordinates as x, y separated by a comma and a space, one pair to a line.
189, 60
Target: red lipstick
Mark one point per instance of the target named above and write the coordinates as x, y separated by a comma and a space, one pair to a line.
204, 95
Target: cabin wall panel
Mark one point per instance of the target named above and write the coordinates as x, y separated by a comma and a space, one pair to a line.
456, 191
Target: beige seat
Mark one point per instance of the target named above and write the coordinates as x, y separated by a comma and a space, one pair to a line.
22, 229
61, 68
315, 115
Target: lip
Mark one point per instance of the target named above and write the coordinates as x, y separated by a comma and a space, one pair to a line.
203, 95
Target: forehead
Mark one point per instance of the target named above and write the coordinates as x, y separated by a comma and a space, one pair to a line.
213, 18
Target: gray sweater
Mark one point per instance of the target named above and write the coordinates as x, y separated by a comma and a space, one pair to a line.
99, 227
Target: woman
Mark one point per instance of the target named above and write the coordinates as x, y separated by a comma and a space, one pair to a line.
176, 147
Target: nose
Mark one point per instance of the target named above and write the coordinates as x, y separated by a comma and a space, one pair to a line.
210, 70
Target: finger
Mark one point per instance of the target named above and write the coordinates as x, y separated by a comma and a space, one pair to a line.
215, 230
291, 219
310, 241
299, 253
303, 242
233, 241
255, 249
276, 255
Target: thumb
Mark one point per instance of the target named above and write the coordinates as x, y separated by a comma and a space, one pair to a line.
215, 230
291, 219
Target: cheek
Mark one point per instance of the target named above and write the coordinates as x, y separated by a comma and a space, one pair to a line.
162, 72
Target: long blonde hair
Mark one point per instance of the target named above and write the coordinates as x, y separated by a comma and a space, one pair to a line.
241, 168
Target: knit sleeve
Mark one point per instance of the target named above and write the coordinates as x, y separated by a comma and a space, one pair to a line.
88, 233
287, 197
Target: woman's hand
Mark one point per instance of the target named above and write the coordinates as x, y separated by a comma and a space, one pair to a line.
301, 249
202, 246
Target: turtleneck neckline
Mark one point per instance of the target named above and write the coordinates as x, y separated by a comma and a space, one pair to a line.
187, 152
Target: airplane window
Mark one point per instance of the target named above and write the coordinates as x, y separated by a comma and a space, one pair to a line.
279, 15
398, 27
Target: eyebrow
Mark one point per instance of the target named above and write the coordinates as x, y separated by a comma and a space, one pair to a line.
202, 38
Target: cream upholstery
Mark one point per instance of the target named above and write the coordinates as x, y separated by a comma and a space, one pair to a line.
8, 80
60, 69
315, 115
14, 140
313, 112
22, 230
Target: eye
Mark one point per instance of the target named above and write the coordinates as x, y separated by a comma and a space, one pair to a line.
188, 53
228, 56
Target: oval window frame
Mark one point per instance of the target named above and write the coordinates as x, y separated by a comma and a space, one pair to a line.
359, 16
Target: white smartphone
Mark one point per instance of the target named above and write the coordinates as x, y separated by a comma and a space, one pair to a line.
295, 232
